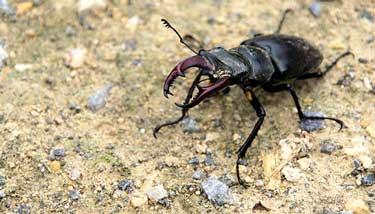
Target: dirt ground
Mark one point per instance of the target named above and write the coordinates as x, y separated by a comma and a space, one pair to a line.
56, 155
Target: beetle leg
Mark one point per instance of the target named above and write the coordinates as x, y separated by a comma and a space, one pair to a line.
302, 116
328, 68
261, 114
282, 20
184, 110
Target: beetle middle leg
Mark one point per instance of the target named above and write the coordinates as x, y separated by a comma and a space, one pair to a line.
184, 111
302, 116
261, 113
327, 69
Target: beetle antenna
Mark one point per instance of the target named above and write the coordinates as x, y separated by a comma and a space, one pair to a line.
167, 25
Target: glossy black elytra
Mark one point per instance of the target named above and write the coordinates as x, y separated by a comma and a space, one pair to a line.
272, 62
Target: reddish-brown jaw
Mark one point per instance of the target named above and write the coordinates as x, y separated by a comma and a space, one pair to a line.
204, 92
180, 69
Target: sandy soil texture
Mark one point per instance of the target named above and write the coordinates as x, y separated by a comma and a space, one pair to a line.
81, 91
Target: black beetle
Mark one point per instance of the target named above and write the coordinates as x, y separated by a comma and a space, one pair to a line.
272, 62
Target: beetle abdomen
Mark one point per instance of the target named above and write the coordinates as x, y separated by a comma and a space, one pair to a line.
292, 56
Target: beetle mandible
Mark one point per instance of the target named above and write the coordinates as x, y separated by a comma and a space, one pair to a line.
272, 62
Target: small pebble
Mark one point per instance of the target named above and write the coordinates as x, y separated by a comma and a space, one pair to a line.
57, 154
23, 209
165, 202
75, 174
126, 185
312, 125
194, 161
292, 174
2, 181
74, 107
75, 57
91, 4
368, 180
209, 161
70, 31
190, 125
138, 199
229, 180
55, 166
157, 193
3, 54
6, 8
363, 60
74, 195
316, 8
328, 147
99, 99
199, 175
217, 192
365, 14
2, 194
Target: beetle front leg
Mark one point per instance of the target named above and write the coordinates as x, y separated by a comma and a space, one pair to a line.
184, 111
301, 115
261, 113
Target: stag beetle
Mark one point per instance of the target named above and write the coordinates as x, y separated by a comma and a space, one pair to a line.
272, 62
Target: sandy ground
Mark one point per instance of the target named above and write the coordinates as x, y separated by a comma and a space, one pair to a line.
43, 109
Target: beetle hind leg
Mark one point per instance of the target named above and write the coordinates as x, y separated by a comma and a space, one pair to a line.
302, 116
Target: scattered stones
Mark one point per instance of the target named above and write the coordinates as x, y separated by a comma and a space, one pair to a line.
346, 80
23, 209
3, 53
357, 206
328, 147
190, 125
365, 14
209, 161
55, 166
228, 180
217, 192
6, 9
75, 174
74, 195
292, 174
126, 185
91, 4
157, 193
57, 154
75, 58
2, 181
368, 180
199, 175
316, 8
70, 31
312, 125
362, 60
194, 161
99, 99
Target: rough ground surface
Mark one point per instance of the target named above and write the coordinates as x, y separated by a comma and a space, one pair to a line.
57, 155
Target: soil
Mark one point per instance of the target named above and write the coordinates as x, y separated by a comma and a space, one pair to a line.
56, 155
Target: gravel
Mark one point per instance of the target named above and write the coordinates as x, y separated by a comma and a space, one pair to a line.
74, 195
316, 8
217, 192
368, 180
312, 125
157, 193
126, 185
199, 175
328, 147
190, 125
99, 99
3, 54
